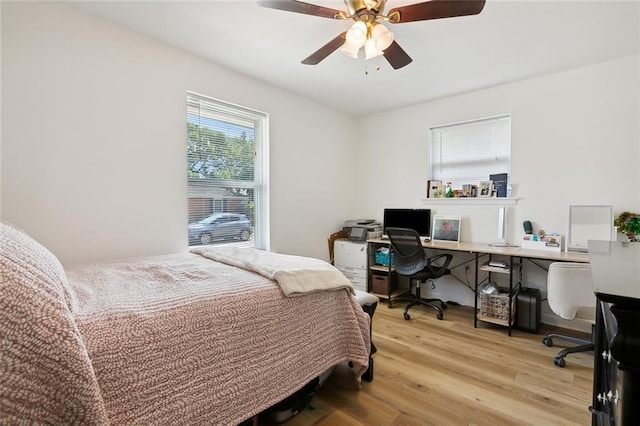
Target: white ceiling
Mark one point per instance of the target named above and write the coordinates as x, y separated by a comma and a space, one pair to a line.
509, 40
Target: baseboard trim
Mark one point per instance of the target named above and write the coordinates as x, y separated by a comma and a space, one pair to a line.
556, 321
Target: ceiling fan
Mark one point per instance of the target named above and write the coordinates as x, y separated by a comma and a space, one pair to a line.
367, 32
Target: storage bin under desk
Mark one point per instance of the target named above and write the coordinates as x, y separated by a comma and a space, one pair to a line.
380, 284
494, 308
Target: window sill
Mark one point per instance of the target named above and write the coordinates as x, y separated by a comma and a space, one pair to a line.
494, 201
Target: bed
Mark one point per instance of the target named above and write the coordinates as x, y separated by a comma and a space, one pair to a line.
201, 337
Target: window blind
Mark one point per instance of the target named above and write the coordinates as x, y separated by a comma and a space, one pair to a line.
226, 171
467, 153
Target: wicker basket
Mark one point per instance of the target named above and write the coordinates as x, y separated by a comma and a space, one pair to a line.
497, 306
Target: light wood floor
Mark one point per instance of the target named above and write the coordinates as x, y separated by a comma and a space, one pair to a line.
430, 372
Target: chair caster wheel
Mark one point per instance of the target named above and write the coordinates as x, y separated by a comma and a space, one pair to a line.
559, 361
444, 305
547, 342
407, 317
440, 315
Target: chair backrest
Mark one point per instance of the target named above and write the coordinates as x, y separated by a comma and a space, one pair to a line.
332, 239
570, 288
410, 258
409, 255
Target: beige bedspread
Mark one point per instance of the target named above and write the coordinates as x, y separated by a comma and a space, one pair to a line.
185, 340
162, 340
46, 376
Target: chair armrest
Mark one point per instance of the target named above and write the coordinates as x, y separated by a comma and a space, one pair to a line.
438, 265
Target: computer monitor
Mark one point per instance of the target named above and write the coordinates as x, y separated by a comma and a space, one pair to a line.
418, 219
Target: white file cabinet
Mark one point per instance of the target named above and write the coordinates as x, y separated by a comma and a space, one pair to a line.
351, 259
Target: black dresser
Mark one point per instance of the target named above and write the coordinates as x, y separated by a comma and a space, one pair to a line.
615, 268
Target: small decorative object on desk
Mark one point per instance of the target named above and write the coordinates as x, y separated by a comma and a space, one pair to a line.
542, 241
446, 229
629, 224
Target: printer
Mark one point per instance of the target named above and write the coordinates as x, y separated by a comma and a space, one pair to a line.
362, 229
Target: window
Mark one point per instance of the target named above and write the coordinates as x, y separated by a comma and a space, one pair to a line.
226, 173
468, 152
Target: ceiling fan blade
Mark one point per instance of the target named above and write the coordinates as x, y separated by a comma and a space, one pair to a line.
325, 50
435, 9
301, 7
396, 56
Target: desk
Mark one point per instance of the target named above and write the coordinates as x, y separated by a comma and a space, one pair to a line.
515, 254
615, 268
481, 248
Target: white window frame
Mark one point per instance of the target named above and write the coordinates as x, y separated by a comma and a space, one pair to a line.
260, 183
493, 134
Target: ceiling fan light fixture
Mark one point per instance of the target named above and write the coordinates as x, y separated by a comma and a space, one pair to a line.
357, 34
381, 36
350, 50
370, 50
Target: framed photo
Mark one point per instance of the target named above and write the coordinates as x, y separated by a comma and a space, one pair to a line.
440, 191
485, 189
446, 229
432, 188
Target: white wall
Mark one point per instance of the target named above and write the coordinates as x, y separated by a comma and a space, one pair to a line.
93, 140
575, 139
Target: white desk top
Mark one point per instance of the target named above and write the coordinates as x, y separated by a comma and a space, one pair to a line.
615, 268
563, 256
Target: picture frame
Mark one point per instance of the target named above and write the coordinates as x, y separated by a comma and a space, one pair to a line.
432, 188
446, 229
485, 189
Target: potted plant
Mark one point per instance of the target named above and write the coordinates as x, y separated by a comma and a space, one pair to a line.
628, 223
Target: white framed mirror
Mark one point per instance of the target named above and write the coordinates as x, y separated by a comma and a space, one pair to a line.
589, 222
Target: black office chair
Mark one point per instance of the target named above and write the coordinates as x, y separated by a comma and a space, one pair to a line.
412, 261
